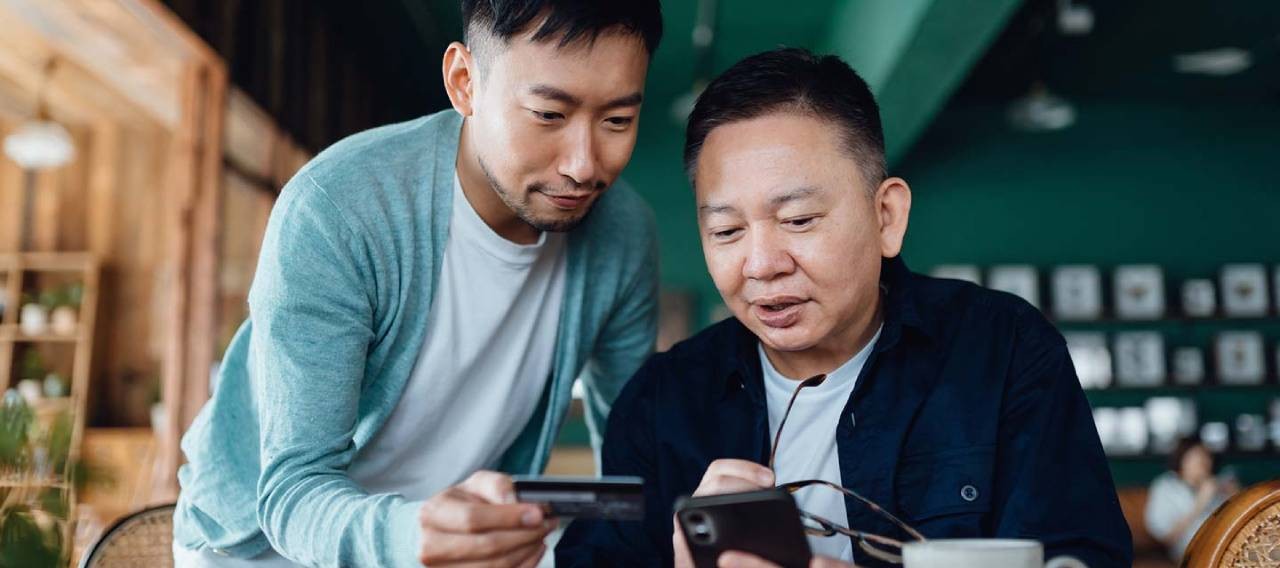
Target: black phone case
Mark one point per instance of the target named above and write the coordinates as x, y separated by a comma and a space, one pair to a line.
764, 523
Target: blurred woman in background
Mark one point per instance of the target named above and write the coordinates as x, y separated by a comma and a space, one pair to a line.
1182, 498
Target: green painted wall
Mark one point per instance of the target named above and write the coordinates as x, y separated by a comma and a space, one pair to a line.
1187, 187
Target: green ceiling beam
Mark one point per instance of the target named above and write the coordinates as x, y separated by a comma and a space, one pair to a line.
914, 54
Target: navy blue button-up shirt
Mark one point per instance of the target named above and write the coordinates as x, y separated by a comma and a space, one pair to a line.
970, 423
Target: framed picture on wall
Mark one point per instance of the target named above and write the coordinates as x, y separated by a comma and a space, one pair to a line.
1091, 357
1241, 358
1020, 280
966, 272
1139, 359
1251, 432
1134, 432
1199, 299
1216, 436
1139, 292
1188, 366
1077, 292
1244, 290
1169, 418
1107, 421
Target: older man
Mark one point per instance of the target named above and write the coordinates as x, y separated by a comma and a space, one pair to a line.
953, 407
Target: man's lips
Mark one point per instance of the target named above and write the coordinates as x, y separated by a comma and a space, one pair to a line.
567, 201
778, 311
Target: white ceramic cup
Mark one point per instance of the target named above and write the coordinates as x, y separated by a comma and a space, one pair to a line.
981, 553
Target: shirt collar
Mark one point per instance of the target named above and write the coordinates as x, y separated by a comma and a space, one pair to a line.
902, 315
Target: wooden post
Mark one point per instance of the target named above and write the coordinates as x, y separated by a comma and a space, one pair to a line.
206, 241
176, 277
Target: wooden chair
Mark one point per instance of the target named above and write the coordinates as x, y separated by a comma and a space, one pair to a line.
1243, 533
144, 538
1147, 551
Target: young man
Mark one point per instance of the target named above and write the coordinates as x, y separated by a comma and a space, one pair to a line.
953, 407
427, 294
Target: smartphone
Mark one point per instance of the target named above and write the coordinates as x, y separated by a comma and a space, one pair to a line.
764, 523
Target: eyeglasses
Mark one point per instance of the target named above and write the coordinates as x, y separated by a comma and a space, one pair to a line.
826, 527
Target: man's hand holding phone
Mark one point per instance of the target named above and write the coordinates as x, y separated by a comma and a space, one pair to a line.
728, 476
722, 476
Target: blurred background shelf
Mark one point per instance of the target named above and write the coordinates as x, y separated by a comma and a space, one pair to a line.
54, 413
12, 333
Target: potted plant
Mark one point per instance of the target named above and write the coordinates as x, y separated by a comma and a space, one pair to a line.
66, 309
30, 373
33, 514
54, 386
34, 317
32, 366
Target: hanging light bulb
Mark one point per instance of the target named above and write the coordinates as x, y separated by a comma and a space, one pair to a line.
40, 143
1041, 111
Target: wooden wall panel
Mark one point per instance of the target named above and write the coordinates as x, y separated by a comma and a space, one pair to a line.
73, 191
10, 197
128, 234
103, 159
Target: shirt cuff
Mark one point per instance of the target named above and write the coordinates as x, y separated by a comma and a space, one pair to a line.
405, 532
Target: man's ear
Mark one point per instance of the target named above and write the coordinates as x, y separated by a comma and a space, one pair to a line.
459, 77
893, 207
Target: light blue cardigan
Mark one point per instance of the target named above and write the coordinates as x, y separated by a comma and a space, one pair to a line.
337, 314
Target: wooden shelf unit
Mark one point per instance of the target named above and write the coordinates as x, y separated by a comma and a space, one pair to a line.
14, 268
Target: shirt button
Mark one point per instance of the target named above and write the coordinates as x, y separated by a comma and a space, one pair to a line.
969, 493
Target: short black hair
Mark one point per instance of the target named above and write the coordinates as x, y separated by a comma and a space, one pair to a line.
1184, 445
570, 20
792, 80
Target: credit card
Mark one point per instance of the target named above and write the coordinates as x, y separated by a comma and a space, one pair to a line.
613, 498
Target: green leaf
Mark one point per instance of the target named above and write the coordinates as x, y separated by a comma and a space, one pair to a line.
15, 428
23, 544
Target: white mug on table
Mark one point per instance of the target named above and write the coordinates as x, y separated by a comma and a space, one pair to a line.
981, 553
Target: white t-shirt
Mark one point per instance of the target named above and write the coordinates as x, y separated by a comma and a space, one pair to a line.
1169, 500
808, 449
482, 368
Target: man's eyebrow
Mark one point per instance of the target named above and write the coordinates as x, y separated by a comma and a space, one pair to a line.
793, 195
712, 209
560, 95
634, 99
774, 202
555, 94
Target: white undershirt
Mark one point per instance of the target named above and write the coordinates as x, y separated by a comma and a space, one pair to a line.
482, 368
478, 378
808, 449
